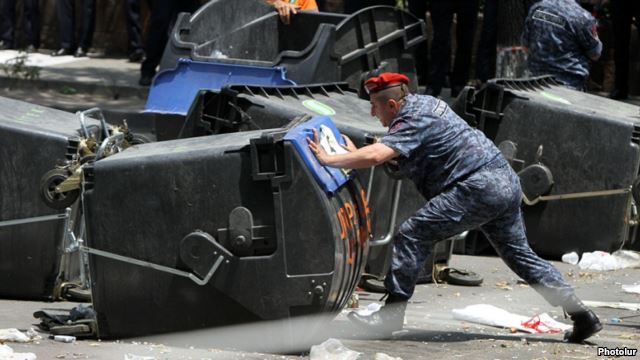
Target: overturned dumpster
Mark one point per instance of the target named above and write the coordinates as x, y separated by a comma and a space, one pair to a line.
577, 156
313, 48
243, 108
222, 229
35, 142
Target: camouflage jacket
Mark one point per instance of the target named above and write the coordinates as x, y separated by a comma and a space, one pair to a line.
437, 147
561, 37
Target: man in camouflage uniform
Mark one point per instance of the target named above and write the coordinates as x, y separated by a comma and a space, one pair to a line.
468, 184
561, 37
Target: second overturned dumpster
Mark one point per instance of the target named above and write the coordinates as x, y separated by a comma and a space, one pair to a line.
222, 229
577, 155
313, 48
34, 140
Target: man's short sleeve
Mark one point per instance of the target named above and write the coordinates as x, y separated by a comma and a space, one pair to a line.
587, 33
403, 136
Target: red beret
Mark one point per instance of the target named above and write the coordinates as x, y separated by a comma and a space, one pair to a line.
384, 81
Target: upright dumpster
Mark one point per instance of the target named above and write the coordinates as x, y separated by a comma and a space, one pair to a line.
33, 141
313, 48
222, 229
577, 156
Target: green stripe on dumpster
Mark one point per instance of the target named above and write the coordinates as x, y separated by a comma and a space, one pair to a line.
555, 98
318, 107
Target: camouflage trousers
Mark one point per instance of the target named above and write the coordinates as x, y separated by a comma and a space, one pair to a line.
489, 199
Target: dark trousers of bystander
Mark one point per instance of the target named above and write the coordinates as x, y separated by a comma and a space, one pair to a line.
163, 13
67, 24
442, 12
133, 20
31, 23
622, 12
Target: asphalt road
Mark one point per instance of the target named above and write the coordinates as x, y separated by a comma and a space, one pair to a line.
430, 332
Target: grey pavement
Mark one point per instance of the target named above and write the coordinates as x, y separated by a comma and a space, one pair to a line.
430, 329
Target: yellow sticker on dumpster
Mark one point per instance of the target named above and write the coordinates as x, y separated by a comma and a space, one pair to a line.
318, 107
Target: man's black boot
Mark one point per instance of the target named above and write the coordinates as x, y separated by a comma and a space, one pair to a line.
385, 321
585, 321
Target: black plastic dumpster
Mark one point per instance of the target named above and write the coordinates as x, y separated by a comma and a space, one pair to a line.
577, 156
222, 229
33, 140
243, 108
313, 48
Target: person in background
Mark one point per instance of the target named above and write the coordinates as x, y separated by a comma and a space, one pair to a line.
31, 24
135, 49
163, 13
622, 13
468, 184
287, 8
351, 6
486, 52
562, 38
66, 11
442, 17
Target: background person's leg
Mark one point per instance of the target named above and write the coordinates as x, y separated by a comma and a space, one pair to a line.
32, 22
466, 18
8, 23
441, 17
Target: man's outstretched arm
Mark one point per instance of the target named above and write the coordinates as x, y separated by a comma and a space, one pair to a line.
364, 157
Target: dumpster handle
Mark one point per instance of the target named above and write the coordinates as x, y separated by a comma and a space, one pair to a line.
115, 138
579, 195
370, 183
95, 110
158, 267
64, 216
397, 186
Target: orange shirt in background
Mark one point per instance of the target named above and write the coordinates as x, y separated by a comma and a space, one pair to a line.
304, 4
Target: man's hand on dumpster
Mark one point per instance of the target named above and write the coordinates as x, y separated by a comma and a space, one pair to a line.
285, 10
349, 146
316, 149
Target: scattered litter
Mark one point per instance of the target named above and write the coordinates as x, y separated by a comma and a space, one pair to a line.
13, 335
603, 261
503, 285
614, 305
217, 54
615, 321
629, 336
331, 349
354, 301
634, 289
370, 309
383, 356
6, 353
138, 357
494, 316
570, 258
64, 338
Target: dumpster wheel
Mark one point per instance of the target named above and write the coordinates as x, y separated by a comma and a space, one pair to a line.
55, 200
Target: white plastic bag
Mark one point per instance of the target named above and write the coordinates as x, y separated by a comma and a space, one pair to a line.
13, 335
332, 349
494, 316
603, 261
138, 357
6, 353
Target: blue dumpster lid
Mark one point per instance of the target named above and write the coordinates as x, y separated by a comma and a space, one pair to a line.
174, 90
329, 178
